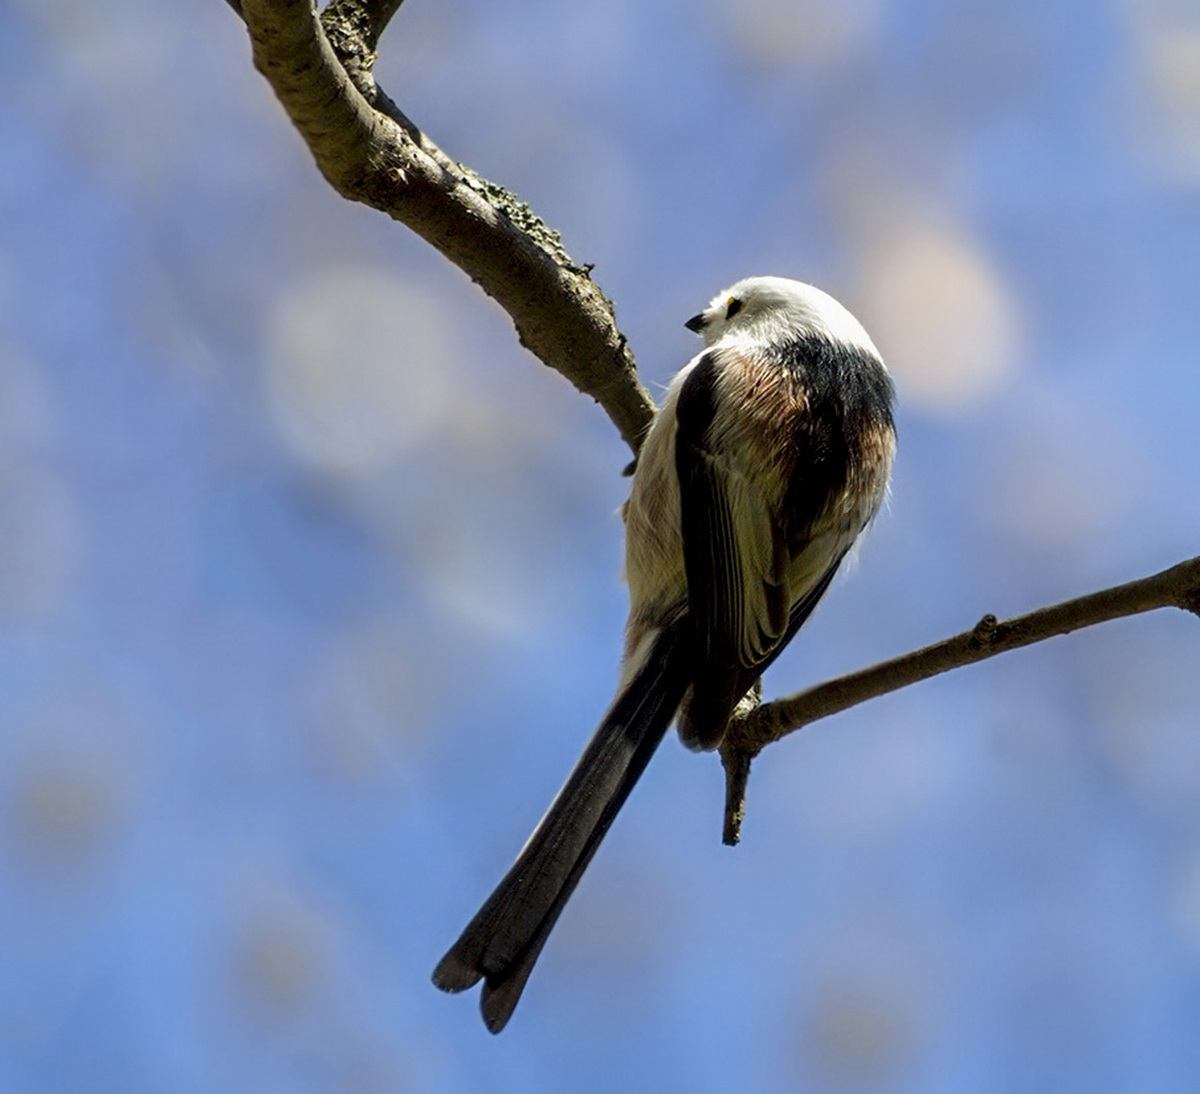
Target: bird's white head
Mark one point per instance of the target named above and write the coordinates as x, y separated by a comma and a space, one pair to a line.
776, 309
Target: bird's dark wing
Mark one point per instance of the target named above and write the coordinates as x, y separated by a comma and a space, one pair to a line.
732, 551
736, 563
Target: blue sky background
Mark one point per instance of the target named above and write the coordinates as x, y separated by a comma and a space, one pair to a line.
309, 583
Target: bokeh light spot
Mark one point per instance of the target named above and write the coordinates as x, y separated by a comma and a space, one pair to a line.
942, 316
359, 367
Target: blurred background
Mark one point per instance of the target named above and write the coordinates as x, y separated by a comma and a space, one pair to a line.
309, 586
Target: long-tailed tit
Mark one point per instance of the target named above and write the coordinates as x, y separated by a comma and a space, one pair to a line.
770, 455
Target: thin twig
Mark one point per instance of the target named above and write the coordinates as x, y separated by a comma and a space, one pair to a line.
1177, 587
737, 774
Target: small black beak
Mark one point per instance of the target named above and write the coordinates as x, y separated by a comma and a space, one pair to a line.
697, 323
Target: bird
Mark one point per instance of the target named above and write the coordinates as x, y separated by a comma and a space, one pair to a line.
770, 455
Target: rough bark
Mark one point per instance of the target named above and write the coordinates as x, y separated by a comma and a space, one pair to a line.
370, 152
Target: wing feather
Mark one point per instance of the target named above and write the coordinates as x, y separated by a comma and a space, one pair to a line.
734, 559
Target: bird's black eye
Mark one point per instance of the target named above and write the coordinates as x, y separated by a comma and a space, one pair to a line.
732, 308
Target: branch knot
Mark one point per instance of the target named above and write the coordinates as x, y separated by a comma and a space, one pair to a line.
984, 632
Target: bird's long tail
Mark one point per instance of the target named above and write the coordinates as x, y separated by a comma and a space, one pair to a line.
501, 944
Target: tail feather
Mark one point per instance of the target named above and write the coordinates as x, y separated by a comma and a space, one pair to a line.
502, 943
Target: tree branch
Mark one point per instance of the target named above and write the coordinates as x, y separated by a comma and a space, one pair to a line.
353, 28
379, 14
370, 152
1178, 587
